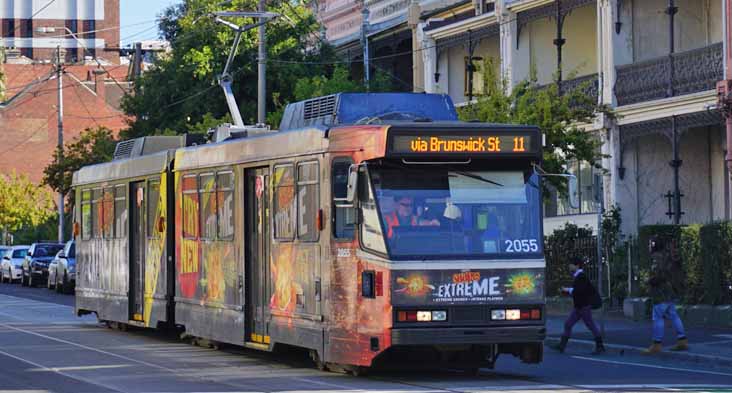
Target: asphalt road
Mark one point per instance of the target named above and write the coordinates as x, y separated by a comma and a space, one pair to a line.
45, 348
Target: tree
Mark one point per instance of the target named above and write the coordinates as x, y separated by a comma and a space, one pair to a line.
556, 113
23, 203
93, 146
181, 89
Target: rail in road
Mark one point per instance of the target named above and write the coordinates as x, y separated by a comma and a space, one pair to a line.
44, 347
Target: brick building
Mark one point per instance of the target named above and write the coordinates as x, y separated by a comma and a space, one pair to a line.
36, 28
28, 116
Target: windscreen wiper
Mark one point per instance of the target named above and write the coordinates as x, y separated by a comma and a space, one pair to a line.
478, 177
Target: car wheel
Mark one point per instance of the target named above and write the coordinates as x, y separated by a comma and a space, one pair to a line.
66, 284
60, 285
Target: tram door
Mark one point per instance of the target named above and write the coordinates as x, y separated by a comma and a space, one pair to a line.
257, 255
137, 250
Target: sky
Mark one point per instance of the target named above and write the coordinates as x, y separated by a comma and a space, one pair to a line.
138, 19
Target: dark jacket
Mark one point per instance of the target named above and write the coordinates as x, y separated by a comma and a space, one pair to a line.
582, 291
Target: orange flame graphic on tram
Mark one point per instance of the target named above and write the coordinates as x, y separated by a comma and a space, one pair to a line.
414, 285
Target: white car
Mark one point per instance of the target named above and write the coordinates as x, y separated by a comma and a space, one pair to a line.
12, 263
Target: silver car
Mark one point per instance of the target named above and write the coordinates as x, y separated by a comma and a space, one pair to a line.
62, 270
12, 263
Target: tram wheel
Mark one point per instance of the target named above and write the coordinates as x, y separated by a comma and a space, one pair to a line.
319, 363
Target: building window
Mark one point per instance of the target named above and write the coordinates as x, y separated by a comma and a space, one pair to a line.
73, 25
477, 76
8, 28
308, 195
284, 202
558, 205
89, 33
26, 28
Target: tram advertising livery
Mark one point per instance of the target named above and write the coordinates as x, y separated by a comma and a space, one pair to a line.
368, 228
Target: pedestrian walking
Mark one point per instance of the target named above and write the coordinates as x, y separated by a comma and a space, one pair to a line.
585, 297
665, 272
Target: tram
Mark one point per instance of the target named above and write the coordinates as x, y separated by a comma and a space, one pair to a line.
368, 226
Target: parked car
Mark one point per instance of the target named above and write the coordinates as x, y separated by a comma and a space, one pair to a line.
35, 264
62, 270
12, 263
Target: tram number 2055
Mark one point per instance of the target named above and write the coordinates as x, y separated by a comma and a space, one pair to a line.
522, 245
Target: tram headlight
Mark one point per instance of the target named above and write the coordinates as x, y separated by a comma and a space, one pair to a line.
513, 315
424, 316
498, 315
439, 316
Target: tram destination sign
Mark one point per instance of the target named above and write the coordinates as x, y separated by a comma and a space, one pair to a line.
472, 143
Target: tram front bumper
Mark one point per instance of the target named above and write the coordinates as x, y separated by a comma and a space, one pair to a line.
472, 335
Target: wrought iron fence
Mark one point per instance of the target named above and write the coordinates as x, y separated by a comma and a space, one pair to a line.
682, 73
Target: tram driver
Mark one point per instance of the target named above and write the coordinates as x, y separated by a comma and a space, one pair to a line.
403, 215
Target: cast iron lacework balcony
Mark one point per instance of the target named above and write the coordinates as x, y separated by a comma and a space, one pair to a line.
588, 84
693, 71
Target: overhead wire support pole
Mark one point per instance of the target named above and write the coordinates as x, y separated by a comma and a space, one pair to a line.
59, 77
262, 72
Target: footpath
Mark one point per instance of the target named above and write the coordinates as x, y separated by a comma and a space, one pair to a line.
706, 345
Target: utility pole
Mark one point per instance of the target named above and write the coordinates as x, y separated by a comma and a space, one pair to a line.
365, 44
262, 68
59, 81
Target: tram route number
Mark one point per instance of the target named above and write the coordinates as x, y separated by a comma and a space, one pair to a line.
522, 245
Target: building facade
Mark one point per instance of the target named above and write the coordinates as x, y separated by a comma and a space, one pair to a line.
654, 63
37, 28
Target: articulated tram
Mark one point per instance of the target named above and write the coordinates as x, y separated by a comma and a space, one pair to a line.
368, 226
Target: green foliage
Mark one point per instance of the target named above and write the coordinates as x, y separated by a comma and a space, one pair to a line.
716, 243
691, 256
339, 81
562, 245
92, 146
558, 116
47, 230
181, 89
23, 203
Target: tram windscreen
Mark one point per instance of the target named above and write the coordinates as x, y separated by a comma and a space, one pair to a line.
439, 211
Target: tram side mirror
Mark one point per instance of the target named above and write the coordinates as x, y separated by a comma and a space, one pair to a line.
161, 224
573, 192
352, 184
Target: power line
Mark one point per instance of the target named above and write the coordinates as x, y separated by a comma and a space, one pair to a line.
34, 15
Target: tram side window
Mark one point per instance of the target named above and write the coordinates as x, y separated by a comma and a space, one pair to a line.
344, 214
153, 202
208, 206
97, 213
120, 211
225, 205
284, 202
86, 214
190, 207
307, 201
108, 213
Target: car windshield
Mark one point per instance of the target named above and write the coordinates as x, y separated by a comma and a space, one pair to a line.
437, 211
47, 250
20, 252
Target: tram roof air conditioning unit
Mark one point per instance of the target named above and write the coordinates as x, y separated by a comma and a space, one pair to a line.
154, 144
359, 108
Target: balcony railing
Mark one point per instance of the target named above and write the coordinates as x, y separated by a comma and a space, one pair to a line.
588, 84
670, 76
